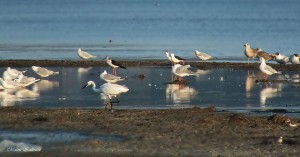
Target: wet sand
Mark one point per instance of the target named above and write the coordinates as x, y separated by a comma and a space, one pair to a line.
165, 132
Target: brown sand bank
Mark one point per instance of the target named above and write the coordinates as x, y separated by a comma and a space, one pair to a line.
203, 65
166, 132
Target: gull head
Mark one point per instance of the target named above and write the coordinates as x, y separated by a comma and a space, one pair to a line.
104, 72
107, 58
88, 84
262, 59
247, 44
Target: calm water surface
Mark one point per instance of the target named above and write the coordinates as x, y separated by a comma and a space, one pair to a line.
55, 29
234, 90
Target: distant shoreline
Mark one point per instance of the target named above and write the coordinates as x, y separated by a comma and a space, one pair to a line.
162, 63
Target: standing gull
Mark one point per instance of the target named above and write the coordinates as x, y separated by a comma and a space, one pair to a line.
182, 71
108, 89
203, 56
281, 59
43, 72
176, 59
114, 64
109, 77
84, 55
294, 59
250, 52
266, 69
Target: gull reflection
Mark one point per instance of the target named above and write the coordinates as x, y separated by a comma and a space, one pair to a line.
44, 85
296, 78
26, 93
9, 97
201, 73
250, 82
179, 93
83, 70
269, 92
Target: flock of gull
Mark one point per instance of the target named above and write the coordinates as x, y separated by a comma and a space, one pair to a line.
15, 79
180, 70
14, 82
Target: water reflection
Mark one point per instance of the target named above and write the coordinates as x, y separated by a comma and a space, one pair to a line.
9, 97
26, 93
268, 92
180, 93
250, 83
45, 85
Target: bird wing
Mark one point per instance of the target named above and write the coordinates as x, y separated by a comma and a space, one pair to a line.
265, 55
118, 64
111, 77
113, 89
179, 58
44, 71
86, 54
183, 70
270, 69
203, 55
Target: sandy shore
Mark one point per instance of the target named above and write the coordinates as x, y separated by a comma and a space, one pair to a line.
167, 132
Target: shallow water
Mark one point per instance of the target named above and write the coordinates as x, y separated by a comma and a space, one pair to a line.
227, 89
51, 140
55, 29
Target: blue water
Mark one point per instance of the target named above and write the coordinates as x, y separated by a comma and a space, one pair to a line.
143, 29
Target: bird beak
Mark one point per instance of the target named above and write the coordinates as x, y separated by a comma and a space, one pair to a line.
84, 86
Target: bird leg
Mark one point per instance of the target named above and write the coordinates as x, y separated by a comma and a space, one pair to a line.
108, 106
108, 103
180, 79
117, 101
115, 71
181, 86
266, 77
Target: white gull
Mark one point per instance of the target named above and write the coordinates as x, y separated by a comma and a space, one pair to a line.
109, 77
85, 55
203, 56
43, 72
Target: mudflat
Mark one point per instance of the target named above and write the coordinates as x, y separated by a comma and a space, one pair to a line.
165, 132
